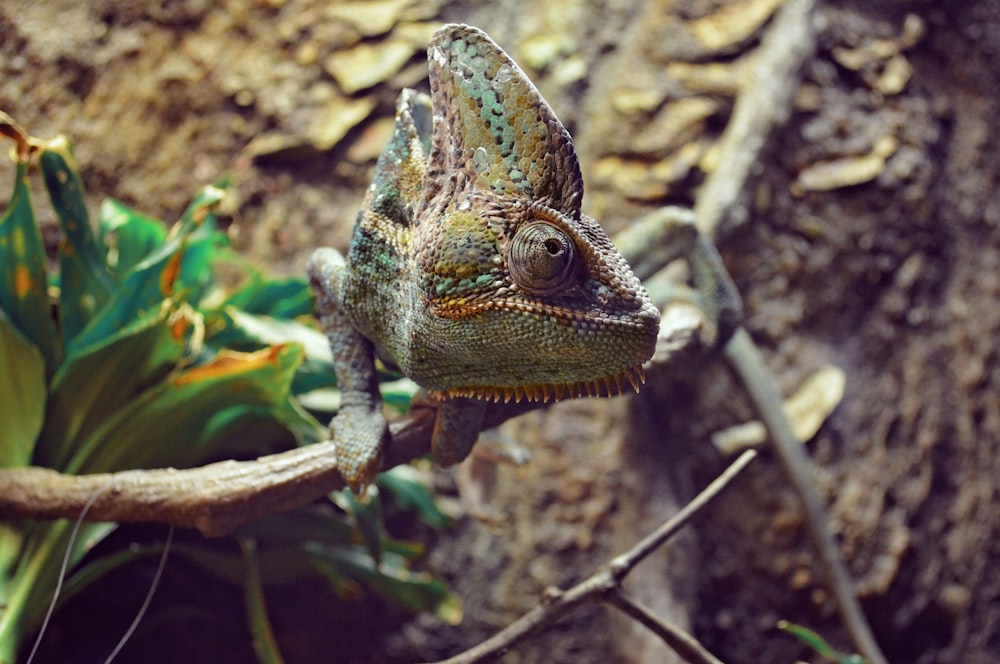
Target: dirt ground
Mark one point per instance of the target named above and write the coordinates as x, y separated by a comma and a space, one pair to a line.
868, 238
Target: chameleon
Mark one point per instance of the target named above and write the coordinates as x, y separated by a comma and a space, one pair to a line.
471, 268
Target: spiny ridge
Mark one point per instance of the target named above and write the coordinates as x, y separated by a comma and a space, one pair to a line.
602, 387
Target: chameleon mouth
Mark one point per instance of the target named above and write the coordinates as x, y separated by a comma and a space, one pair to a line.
608, 386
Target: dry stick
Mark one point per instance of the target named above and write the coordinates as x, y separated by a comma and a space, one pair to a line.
605, 586
746, 360
680, 641
766, 101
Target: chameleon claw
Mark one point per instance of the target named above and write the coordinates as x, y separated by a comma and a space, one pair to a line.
361, 437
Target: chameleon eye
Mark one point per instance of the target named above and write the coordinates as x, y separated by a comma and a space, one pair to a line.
542, 259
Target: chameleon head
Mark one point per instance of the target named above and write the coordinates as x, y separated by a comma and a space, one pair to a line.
526, 302
521, 295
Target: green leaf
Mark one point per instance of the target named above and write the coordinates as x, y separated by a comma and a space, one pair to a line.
818, 643
95, 382
264, 643
145, 288
183, 420
246, 431
264, 330
367, 515
199, 209
403, 483
397, 394
23, 281
12, 538
324, 402
235, 328
197, 275
154, 279
84, 282
278, 298
129, 235
416, 591
22, 393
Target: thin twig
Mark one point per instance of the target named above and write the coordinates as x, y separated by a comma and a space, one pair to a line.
679, 640
765, 102
651, 542
604, 585
746, 360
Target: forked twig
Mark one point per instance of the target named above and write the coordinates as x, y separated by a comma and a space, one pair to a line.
605, 585
679, 640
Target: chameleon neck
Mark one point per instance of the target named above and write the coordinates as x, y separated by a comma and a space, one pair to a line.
378, 287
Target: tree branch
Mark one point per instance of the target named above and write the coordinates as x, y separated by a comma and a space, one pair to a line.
765, 101
682, 643
215, 498
746, 360
605, 585
218, 498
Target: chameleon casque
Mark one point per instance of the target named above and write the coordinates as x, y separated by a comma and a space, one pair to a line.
472, 269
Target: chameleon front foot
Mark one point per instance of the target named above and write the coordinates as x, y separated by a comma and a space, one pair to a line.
361, 436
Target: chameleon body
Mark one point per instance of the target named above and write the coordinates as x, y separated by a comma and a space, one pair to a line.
472, 269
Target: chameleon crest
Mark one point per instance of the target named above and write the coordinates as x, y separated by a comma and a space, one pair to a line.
472, 268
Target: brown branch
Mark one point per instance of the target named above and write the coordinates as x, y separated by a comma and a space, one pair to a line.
680, 641
218, 498
215, 498
764, 102
605, 585
746, 360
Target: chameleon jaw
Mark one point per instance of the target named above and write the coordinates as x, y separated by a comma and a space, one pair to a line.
608, 386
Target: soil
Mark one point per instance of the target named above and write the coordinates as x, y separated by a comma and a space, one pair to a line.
868, 238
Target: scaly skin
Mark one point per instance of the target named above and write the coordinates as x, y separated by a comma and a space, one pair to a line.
471, 268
